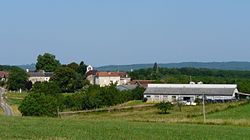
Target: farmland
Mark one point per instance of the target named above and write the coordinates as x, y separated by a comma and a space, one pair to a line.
50, 128
141, 123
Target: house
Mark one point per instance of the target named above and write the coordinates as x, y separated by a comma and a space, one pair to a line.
105, 78
189, 92
39, 76
90, 76
4, 75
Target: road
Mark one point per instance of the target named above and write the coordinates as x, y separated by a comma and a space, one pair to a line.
7, 109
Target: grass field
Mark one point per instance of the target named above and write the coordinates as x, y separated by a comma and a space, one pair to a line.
1, 111
14, 100
224, 121
241, 112
53, 128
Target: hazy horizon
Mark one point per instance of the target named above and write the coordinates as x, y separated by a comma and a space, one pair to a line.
125, 32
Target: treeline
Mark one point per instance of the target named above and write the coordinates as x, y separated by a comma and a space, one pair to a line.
45, 99
7, 68
69, 77
96, 97
152, 74
185, 75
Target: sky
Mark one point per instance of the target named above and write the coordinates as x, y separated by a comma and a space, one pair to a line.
120, 32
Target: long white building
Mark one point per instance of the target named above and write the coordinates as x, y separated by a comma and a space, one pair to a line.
189, 92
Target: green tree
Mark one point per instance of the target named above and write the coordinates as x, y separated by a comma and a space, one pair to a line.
67, 79
48, 88
82, 68
164, 107
47, 62
17, 79
73, 66
137, 93
39, 104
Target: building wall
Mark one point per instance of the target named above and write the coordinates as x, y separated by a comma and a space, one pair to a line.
124, 81
174, 98
38, 79
91, 79
105, 81
169, 98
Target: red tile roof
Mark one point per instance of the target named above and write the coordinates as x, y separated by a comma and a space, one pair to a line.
111, 74
91, 72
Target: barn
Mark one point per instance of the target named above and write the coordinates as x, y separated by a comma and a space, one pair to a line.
190, 92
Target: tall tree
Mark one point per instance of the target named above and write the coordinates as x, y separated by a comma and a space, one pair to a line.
67, 79
17, 79
82, 68
156, 68
47, 62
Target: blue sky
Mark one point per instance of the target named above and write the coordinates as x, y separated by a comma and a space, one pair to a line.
125, 31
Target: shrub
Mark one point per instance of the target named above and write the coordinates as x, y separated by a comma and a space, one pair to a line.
145, 100
39, 104
164, 107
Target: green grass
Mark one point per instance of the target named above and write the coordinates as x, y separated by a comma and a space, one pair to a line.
53, 128
1, 111
139, 123
15, 98
151, 114
240, 112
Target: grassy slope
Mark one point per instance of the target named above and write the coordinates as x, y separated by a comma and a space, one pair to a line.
143, 123
151, 114
241, 112
49, 128
14, 100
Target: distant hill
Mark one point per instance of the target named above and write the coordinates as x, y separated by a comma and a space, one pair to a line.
28, 66
209, 65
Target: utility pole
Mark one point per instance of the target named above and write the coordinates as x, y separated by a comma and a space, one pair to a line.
58, 112
204, 109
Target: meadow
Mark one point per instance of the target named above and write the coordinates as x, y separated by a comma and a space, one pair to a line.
60, 129
224, 121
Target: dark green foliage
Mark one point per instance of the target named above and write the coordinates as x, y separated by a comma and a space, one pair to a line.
137, 93
48, 88
207, 76
44, 100
17, 79
28, 85
145, 100
39, 104
67, 79
82, 68
96, 97
47, 62
7, 68
74, 66
164, 107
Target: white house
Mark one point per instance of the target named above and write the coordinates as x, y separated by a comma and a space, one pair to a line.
105, 78
40, 76
189, 92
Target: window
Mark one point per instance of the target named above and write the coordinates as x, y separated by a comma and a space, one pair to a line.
148, 96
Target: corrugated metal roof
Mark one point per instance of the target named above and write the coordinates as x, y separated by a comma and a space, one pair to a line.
192, 90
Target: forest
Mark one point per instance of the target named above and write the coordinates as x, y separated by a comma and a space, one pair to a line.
185, 75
